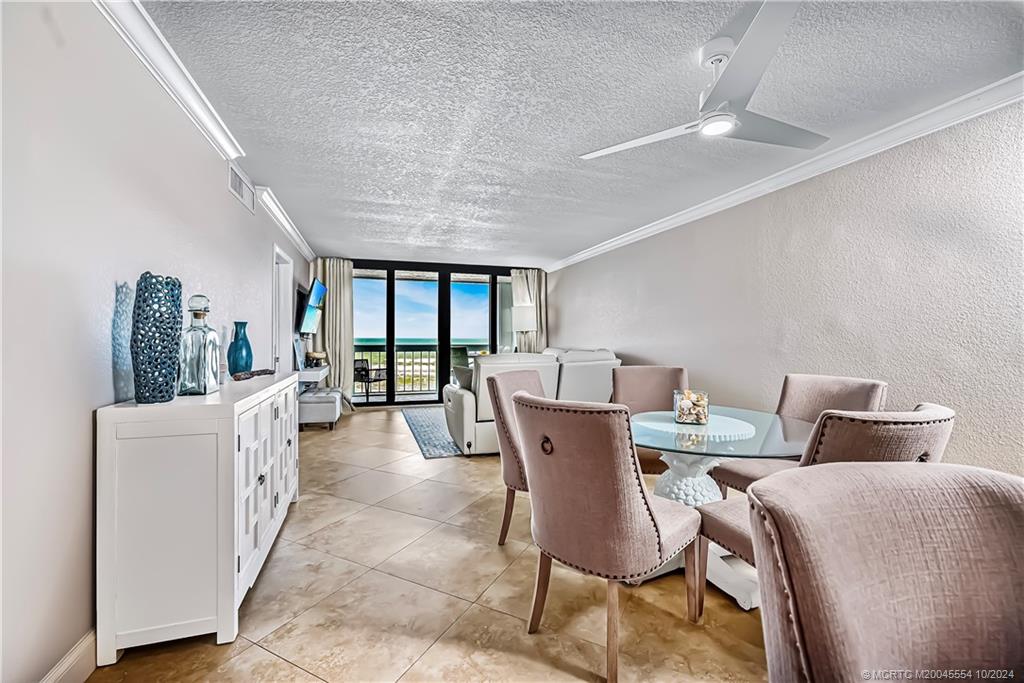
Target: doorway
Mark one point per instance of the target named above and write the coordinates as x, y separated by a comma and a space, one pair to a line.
282, 313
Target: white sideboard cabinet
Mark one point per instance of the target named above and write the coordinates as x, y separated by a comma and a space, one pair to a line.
190, 496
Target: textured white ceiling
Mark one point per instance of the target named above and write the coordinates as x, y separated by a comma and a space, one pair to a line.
450, 132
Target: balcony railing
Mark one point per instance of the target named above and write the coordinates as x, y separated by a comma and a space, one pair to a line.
415, 370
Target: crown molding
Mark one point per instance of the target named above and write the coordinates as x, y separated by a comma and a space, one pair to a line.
135, 26
976, 103
273, 207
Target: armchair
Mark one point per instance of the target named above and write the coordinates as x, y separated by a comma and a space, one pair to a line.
468, 410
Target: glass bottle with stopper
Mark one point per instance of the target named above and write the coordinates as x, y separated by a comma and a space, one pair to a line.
200, 352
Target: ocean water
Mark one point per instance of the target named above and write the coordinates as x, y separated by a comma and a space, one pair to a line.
419, 341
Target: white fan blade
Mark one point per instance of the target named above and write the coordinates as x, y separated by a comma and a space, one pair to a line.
645, 140
746, 66
757, 128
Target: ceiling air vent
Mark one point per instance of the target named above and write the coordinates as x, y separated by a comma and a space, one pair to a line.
240, 186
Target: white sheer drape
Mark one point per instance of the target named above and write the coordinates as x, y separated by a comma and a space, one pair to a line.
530, 286
336, 332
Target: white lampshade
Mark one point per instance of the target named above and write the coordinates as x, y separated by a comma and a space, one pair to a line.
524, 318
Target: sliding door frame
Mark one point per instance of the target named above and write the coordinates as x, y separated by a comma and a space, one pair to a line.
444, 315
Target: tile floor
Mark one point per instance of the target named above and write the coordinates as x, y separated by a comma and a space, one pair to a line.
387, 569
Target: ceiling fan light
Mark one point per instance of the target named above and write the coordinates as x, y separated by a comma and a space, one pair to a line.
717, 125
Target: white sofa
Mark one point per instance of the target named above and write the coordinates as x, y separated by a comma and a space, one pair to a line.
568, 374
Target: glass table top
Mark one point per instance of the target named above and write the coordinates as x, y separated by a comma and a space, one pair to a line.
730, 432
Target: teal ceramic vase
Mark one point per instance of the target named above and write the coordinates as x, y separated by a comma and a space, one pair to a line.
240, 351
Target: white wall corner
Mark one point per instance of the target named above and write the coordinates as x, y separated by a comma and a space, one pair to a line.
981, 101
135, 26
77, 665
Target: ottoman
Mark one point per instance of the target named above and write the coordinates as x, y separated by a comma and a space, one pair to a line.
319, 406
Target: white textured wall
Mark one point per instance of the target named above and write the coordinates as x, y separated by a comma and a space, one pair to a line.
907, 267
104, 177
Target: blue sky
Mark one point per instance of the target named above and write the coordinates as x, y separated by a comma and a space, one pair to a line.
416, 309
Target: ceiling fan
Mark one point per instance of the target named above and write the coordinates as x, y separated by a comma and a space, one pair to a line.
737, 70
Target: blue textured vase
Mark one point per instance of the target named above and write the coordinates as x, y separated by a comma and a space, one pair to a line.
240, 351
156, 338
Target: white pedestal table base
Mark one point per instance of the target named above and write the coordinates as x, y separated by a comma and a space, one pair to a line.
687, 481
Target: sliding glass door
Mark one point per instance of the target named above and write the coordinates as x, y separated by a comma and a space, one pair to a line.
370, 324
470, 317
413, 321
416, 317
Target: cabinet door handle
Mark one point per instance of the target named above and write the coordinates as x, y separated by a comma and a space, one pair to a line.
289, 442
261, 479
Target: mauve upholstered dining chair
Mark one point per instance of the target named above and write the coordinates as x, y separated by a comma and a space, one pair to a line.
919, 435
501, 387
643, 388
803, 397
866, 567
591, 511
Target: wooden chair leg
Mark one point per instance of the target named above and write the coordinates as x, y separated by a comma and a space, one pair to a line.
724, 489
612, 643
540, 591
510, 501
696, 559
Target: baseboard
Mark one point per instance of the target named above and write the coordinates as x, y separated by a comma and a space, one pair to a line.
77, 665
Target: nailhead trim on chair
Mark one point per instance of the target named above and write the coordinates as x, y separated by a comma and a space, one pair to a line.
515, 456
843, 418
619, 577
636, 476
798, 640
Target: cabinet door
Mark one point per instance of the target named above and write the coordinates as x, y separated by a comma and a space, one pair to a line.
250, 465
268, 472
289, 423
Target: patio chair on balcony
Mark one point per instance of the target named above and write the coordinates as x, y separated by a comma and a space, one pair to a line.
368, 376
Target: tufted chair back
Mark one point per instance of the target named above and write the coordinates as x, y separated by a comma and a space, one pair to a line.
806, 396
863, 565
643, 388
590, 508
918, 435
501, 387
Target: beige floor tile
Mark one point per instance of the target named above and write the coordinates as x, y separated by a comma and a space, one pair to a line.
481, 472
367, 456
418, 466
431, 499
658, 643
369, 536
399, 427
486, 514
371, 487
313, 511
256, 665
293, 579
400, 442
359, 436
485, 645
454, 560
371, 630
175, 660
315, 472
575, 605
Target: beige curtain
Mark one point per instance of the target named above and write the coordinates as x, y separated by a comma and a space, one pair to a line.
530, 286
335, 336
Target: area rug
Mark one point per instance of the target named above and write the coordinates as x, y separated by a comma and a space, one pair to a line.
429, 428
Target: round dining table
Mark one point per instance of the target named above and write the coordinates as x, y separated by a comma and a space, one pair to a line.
690, 450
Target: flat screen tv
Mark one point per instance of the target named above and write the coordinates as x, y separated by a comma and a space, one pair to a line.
311, 309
